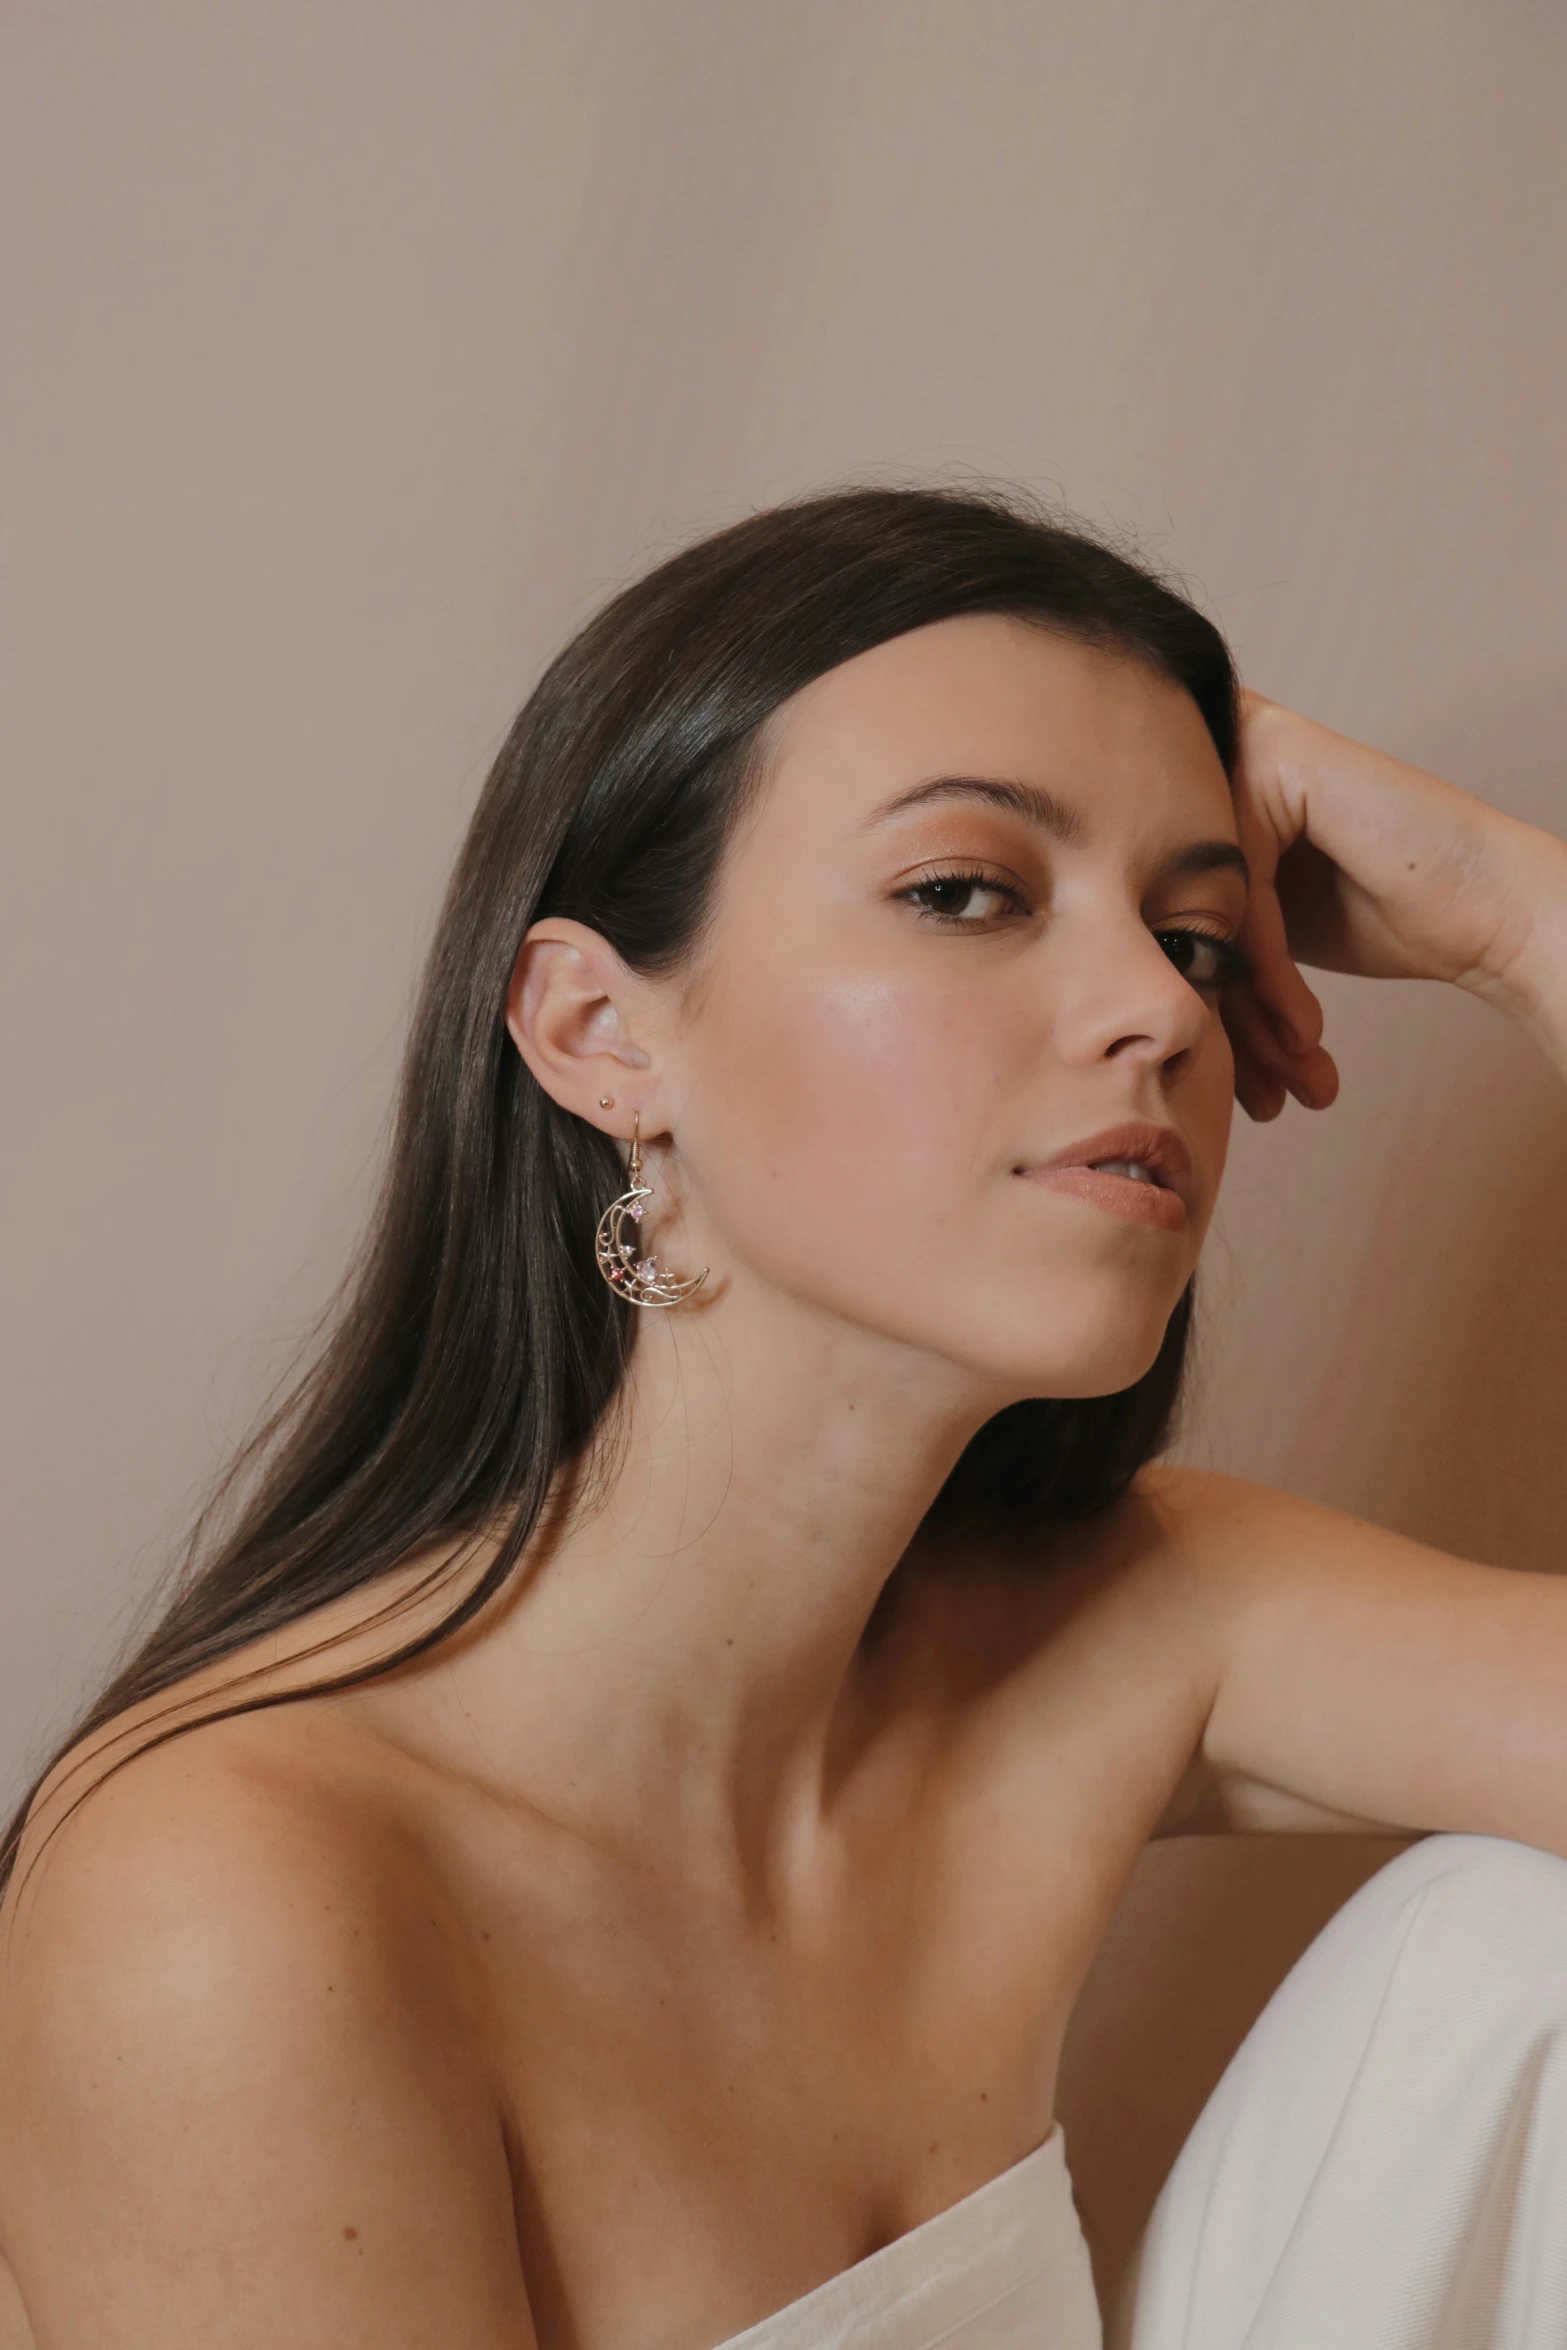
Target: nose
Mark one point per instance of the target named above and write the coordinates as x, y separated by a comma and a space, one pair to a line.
1125, 1000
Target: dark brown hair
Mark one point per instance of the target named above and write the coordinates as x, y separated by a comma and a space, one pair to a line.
473, 1349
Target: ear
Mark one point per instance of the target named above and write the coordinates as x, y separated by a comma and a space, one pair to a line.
569, 1010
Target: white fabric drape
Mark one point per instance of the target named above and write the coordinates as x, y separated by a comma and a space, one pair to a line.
1004, 2269
1384, 2164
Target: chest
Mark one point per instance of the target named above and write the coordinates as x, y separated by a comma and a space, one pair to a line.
707, 2114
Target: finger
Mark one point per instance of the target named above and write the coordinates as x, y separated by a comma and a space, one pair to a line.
1259, 1085
1319, 1080
1254, 1030
1309, 1072
1296, 1010
1260, 1095
1296, 1007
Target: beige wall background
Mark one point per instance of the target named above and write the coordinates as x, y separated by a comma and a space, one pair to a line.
357, 350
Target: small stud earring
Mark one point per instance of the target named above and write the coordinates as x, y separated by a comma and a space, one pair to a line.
606, 1101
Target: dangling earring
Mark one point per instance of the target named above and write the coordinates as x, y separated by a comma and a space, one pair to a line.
636, 1279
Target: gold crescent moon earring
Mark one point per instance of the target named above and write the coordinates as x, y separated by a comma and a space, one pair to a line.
636, 1279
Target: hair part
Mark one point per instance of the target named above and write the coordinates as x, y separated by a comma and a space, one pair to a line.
472, 1352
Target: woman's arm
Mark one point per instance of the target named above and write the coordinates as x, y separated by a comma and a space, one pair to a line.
1365, 865
237, 2109
1362, 1680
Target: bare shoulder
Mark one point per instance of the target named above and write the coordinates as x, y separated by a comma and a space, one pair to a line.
213, 1807
239, 2100
1213, 1519
1239, 1547
208, 1838
1152, 1619
1093, 1647
1217, 1543
1224, 1543
1364, 1681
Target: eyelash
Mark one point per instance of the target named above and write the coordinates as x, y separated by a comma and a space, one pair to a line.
1234, 964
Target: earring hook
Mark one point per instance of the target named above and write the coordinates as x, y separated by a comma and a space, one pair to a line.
636, 1278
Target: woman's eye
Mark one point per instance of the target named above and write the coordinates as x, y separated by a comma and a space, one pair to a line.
1204, 960
968, 900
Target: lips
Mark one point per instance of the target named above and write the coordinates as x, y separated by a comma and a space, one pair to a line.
1080, 1172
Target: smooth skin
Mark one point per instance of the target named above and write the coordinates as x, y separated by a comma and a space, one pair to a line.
712, 1912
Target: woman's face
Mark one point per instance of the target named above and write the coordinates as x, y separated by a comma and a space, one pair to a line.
942, 979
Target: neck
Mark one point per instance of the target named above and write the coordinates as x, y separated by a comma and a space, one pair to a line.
686, 1653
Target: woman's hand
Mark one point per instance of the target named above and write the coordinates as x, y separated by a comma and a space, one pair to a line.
1361, 864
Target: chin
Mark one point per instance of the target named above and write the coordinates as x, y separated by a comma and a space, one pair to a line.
1067, 1347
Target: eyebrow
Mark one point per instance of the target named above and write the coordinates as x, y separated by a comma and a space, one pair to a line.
1203, 856
1053, 817
1019, 799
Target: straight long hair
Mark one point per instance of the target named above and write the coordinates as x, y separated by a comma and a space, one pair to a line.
473, 1350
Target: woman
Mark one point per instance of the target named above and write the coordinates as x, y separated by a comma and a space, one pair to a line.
602, 1848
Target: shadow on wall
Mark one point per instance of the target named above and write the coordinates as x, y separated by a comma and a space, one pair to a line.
1482, 1469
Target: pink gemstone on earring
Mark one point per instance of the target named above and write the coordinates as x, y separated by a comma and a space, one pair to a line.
636, 1210
648, 1268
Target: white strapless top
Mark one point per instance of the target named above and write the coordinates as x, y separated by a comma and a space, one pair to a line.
1005, 2269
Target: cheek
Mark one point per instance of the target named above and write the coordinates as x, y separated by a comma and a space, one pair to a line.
849, 1121
1209, 1113
850, 1137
